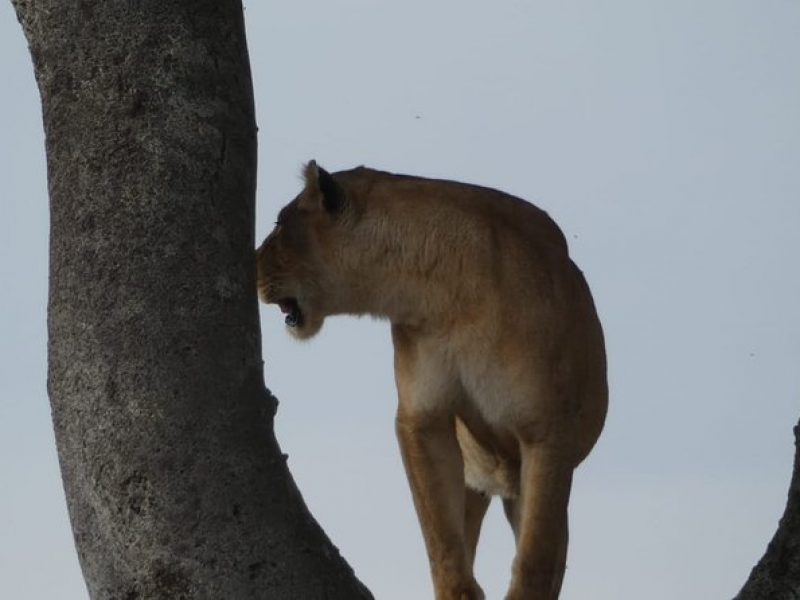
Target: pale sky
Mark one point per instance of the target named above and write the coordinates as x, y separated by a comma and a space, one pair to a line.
664, 137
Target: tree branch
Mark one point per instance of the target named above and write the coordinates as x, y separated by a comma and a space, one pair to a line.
175, 484
777, 574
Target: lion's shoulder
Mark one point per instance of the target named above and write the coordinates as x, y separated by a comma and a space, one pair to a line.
427, 195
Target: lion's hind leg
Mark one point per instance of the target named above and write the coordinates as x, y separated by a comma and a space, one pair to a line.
475, 505
511, 510
545, 483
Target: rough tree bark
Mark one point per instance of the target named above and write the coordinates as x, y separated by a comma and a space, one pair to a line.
777, 575
175, 484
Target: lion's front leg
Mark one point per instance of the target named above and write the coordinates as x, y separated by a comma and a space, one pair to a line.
426, 429
435, 470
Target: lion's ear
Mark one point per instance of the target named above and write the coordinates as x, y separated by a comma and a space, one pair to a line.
322, 188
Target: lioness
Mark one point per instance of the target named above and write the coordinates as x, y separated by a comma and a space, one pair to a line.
499, 356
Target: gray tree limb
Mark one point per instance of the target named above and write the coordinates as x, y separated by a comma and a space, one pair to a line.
175, 484
777, 575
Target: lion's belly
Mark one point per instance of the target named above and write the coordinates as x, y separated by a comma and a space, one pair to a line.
485, 469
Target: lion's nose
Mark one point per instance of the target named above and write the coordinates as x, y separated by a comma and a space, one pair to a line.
261, 272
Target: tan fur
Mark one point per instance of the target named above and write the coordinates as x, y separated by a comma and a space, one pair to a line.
499, 355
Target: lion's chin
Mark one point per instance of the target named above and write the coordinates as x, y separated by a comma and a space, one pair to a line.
307, 327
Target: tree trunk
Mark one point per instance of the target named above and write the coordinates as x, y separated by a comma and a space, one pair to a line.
777, 575
175, 484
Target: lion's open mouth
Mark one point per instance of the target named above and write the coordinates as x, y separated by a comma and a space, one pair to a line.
290, 307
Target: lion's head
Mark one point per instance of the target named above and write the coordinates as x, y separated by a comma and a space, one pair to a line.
298, 262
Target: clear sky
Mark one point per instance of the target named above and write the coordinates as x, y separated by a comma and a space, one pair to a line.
664, 137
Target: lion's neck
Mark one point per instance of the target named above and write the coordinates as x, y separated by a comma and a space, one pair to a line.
415, 272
